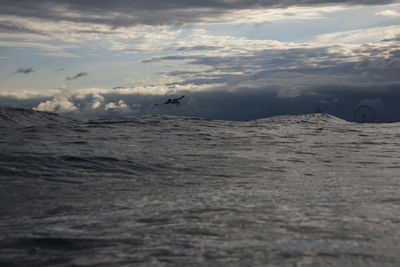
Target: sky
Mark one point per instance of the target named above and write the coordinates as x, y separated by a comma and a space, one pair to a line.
231, 59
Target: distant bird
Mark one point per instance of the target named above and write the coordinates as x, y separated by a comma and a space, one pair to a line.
176, 101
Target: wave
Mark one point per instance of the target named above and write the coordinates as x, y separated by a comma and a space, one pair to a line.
312, 118
63, 167
26, 117
174, 189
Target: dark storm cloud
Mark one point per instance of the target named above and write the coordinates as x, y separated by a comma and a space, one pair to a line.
10, 101
77, 76
249, 104
245, 104
126, 13
24, 70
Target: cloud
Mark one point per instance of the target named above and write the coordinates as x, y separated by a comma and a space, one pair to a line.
24, 70
61, 102
24, 94
249, 79
378, 63
254, 63
140, 26
51, 50
389, 13
284, 70
121, 13
359, 36
92, 101
77, 76
121, 107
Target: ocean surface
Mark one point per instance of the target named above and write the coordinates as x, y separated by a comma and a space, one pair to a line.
307, 190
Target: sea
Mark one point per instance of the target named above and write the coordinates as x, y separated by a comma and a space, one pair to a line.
158, 190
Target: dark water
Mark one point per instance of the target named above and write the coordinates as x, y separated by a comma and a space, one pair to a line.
309, 190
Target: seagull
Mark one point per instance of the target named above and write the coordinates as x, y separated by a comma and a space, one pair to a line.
176, 101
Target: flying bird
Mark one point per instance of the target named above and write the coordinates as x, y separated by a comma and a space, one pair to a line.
25, 70
176, 101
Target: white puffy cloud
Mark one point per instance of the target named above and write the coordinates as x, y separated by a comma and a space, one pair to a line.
61, 102
90, 101
120, 106
96, 104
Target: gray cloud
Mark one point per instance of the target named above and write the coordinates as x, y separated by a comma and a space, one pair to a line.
16, 26
379, 63
77, 76
24, 70
292, 69
197, 48
175, 57
127, 13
